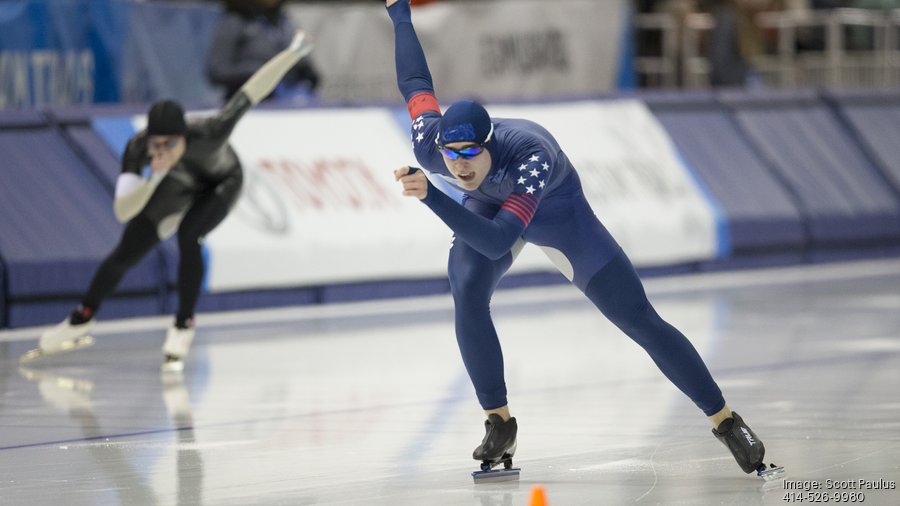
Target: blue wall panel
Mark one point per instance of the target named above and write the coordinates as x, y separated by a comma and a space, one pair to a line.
875, 119
842, 195
58, 222
3, 308
105, 164
760, 212
24, 314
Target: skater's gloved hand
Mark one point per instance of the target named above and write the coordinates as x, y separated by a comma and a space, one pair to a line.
160, 165
301, 43
163, 162
414, 182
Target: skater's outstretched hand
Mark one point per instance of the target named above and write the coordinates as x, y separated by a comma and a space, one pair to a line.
414, 182
389, 3
301, 43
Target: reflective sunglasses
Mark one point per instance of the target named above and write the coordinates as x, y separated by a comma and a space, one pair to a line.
166, 145
466, 153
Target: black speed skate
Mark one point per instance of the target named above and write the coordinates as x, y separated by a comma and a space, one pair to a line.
748, 450
497, 447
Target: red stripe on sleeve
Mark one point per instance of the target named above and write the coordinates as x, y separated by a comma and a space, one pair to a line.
526, 201
510, 205
522, 205
519, 214
422, 103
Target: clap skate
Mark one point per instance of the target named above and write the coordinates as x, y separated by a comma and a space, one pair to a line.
497, 447
747, 448
62, 338
175, 349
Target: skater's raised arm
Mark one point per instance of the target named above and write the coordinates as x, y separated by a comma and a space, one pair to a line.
258, 87
413, 76
264, 80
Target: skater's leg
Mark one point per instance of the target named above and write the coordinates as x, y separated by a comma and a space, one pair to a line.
137, 240
473, 278
720, 416
585, 252
617, 291
205, 215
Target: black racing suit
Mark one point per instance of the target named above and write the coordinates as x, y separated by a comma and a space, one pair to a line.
200, 190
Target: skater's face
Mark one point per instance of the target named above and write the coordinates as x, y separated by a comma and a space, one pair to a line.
165, 150
468, 162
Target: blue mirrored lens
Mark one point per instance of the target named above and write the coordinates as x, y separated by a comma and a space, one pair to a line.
470, 151
465, 153
449, 153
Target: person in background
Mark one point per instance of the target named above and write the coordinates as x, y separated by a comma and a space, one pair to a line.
249, 33
737, 40
194, 179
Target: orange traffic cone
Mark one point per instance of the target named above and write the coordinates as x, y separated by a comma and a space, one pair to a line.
538, 498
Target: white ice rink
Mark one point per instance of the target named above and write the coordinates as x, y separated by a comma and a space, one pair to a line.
369, 404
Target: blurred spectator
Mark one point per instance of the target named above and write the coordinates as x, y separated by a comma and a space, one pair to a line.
651, 43
737, 40
828, 4
646, 6
883, 5
249, 34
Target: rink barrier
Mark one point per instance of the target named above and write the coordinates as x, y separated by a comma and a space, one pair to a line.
872, 119
844, 198
710, 141
4, 317
59, 173
56, 221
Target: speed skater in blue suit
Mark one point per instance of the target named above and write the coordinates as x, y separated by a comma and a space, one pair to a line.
519, 187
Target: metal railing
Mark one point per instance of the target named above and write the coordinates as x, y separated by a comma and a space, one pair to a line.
838, 48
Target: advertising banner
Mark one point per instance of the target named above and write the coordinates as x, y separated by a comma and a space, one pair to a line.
59, 52
490, 50
633, 177
320, 204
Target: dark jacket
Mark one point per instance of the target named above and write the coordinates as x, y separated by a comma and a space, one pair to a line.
244, 40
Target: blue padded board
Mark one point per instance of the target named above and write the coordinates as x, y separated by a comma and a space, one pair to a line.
759, 210
105, 164
2, 295
843, 197
875, 118
26, 314
57, 219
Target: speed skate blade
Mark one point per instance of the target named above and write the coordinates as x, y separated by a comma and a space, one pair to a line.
496, 476
71, 345
771, 473
172, 366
